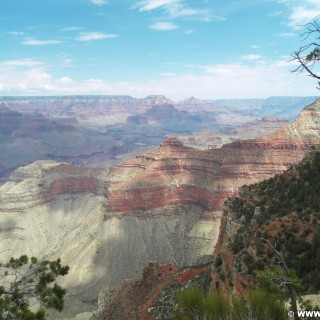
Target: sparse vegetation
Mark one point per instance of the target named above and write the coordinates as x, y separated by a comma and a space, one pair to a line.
285, 210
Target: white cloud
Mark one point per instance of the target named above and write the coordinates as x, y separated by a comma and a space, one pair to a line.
251, 57
72, 29
163, 26
285, 34
148, 5
301, 12
99, 2
21, 63
237, 80
89, 36
301, 15
176, 9
34, 42
16, 33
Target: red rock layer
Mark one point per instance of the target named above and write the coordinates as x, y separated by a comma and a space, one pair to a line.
136, 300
175, 174
70, 185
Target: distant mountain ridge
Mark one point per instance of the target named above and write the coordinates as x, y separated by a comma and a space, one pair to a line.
105, 130
288, 107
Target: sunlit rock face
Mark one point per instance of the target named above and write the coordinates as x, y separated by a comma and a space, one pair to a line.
162, 206
50, 209
174, 174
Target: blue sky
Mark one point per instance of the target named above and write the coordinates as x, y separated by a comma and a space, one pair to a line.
180, 48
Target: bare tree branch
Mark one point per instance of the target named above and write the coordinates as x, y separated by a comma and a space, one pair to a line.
308, 55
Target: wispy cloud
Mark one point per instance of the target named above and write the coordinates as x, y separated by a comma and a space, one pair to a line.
35, 42
99, 2
148, 5
91, 36
251, 57
301, 13
72, 29
285, 34
16, 33
22, 63
163, 26
176, 9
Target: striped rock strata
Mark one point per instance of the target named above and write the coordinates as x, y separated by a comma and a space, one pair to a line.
174, 174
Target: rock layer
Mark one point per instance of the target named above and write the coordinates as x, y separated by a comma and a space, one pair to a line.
209, 177
174, 174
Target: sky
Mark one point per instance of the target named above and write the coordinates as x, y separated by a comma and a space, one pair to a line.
209, 49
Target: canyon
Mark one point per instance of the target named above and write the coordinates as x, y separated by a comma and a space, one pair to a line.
163, 205
106, 130
231, 166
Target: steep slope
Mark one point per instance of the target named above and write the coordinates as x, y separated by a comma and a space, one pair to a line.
49, 209
285, 210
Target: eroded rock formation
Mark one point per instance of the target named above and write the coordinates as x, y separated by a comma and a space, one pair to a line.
178, 174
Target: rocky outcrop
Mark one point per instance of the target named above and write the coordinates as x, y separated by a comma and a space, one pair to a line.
154, 296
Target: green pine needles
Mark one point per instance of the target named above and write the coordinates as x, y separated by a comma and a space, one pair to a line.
28, 287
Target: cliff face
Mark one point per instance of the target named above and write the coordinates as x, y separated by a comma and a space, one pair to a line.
51, 210
174, 174
282, 212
